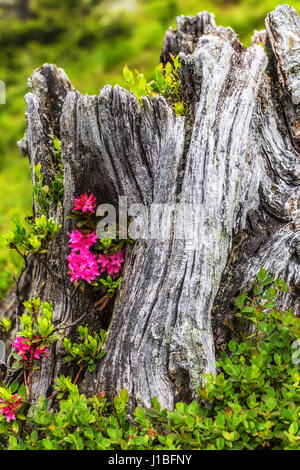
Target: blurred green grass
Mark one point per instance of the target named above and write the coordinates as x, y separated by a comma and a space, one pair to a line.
92, 40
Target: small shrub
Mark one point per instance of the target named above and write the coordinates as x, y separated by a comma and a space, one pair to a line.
166, 83
252, 403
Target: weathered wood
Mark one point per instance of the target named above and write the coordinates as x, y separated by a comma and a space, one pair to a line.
235, 160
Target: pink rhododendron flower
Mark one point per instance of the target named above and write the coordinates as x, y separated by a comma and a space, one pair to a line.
22, 346
111, 263
9, 408
41, 352
28, 351
82, 263
78, 240
85, 203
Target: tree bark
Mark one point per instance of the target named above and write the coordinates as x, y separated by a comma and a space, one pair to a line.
234, 159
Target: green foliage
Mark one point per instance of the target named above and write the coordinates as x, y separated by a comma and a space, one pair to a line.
256, 396
5, 325
252, 403
57, 185
110, 285
166, 83
36, 236
8, 392
37, 328
33, 239
37, 320
112, 245
64, 385
88, 351
10, 395
41, 192
44, 195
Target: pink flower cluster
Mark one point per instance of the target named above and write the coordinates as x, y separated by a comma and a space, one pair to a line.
82, 263
9, 408
111, 263
28, 351
85, 203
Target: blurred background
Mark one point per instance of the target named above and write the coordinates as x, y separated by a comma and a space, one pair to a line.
92, 40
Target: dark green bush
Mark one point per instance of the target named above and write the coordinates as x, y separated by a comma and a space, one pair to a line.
252, 403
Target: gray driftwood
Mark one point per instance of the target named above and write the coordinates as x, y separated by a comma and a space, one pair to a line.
236, 157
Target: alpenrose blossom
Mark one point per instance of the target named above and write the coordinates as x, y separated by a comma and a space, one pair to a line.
85, 203
84, 266
28, 351
82, 263
9, 408
79, 241
112, 264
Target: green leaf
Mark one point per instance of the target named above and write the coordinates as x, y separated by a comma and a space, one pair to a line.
247, 309
262, 274
68, 358
47, 444
240, 301
14, 387
128, 75
293, 428
220, 443
277, 359
124, 395
220, 421
232, 346
179, 108
34, 436
229, 436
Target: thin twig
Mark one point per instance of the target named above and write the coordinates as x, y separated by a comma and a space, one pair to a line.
78, 374
53, 395
25, 379
64, 327
117, 416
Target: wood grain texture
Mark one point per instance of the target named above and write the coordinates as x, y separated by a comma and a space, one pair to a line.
235, 160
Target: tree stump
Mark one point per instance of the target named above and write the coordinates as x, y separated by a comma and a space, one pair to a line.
234, 159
